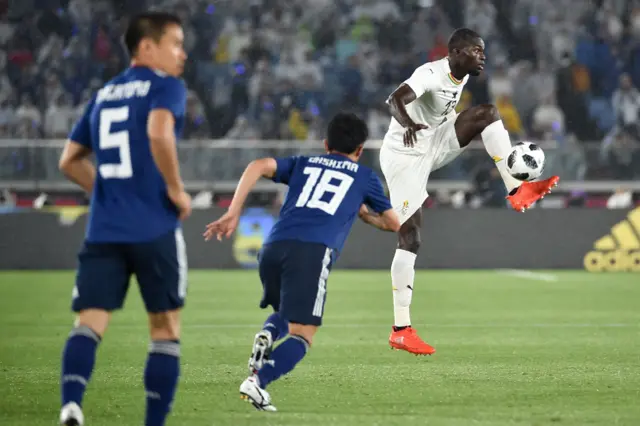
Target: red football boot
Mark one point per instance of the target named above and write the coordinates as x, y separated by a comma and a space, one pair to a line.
408, 340
530, 192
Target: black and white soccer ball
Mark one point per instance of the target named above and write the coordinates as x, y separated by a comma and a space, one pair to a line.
525, 161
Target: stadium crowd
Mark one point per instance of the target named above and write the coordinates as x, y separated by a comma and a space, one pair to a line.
565, 71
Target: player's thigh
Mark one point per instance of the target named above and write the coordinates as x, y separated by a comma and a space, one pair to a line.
270, 265
102, 278
446, 146
406, 176
161, 269
304, 283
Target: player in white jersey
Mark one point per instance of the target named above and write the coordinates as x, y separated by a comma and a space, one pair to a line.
424, 135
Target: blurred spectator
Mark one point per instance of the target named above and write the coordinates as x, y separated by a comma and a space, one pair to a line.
27, 112
501, 83
622, 154
626, 105
510, 117
276, 69
547, 117
378, 122
195, 123
59, 118
480, 16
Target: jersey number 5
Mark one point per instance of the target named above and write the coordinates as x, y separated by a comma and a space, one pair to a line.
318, 184
120, 140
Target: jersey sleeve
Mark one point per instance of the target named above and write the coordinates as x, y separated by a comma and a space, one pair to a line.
375, 197
171, 95
81, 131
284, 169
422, 80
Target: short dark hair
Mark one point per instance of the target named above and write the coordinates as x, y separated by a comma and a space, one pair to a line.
148, 24
346, 133
462, 37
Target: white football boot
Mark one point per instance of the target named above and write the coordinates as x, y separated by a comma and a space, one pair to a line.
251, 392
262, 344
71, 415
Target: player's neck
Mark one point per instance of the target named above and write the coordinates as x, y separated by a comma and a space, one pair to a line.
349, 156
456, 72
141, 63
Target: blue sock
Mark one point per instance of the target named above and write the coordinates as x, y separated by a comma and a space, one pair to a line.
78, 359
161, 379
277, 326
283, 359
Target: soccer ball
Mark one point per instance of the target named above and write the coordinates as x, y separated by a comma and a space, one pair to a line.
525, 161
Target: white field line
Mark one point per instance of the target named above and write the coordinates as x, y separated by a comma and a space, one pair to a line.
522, 273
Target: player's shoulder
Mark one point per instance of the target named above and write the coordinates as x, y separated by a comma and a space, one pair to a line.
163, 81
438, 68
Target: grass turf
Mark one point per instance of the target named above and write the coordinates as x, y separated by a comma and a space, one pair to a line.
560, 348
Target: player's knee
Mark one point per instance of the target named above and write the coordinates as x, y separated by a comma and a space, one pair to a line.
95, 319
486, 114
164, 325
305, 331
409, 238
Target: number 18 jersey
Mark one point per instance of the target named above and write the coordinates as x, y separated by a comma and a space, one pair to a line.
325, 195
129, 202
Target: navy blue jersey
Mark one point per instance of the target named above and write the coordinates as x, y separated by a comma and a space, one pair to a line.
325, 195
129, 201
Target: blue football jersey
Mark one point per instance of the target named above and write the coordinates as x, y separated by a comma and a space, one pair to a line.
324, 197
129, 202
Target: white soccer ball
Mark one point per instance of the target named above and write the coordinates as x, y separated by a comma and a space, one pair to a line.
525, 161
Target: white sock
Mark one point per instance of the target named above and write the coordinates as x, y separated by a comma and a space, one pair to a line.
402, 274
497, 143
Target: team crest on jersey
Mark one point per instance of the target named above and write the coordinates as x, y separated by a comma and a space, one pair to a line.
405, 207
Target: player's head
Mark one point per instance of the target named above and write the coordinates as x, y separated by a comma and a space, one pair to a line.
155, 39
346, 135
466, 51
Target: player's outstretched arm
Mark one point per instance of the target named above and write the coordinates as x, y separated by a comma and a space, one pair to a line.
160, 128
76, 165
387, 221
264, 167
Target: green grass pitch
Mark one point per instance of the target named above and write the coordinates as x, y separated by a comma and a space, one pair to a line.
556, 349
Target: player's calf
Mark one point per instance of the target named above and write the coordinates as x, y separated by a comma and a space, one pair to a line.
274, 329
162, 369
78, 361
402, 270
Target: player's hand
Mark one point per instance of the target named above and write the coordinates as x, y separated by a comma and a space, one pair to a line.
410, 135
223, 226
364, 211
182, 200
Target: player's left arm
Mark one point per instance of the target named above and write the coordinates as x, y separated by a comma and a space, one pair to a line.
382, 215
74, 162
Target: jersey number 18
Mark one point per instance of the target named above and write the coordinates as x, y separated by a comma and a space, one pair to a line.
318, 184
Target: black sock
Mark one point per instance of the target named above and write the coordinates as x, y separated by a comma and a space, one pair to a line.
400, 328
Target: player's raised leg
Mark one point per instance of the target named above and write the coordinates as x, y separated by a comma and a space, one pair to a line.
403, 336
484, 120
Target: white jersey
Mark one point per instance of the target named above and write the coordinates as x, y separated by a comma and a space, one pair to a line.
437, 94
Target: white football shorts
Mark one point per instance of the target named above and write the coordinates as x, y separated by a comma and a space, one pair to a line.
407, 170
